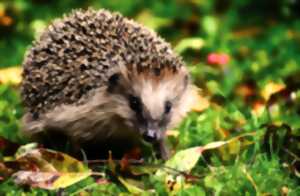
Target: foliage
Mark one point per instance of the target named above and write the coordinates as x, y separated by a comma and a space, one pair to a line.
243, 55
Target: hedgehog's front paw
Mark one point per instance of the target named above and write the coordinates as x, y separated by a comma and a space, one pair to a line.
162, 150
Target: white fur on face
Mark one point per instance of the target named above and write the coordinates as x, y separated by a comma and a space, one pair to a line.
154, 95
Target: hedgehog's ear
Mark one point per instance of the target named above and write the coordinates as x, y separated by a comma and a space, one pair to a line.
113, 81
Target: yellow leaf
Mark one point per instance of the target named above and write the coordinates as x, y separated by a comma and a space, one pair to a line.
152, 21
183, 160
2, 10
173, 133
49, 169
213, 145
270, 89
11, 75
130, 187
200, 104
67, 179
49, 180
193, 43
175, 184
22, 150
234, 147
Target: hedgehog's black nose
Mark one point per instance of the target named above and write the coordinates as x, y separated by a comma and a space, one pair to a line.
150, 136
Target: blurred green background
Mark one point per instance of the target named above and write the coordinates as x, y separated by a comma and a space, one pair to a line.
243, 54
218, 22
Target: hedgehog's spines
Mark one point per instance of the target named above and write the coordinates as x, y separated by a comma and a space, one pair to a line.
80, 51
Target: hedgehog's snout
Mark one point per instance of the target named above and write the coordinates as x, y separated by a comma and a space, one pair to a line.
150, 135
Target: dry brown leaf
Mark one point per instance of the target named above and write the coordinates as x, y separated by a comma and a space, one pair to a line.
6, 21
247, 32
49, 169
245, 90
258, 108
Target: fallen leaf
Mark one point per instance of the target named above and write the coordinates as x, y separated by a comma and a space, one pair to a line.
245, 90
284, 191
200, 104
175, 183
152, 21
49, 169
195, 43
173, 133
138, 170
185, 160
270, 89
11, 75
133, 189
182, 161
49, 180
4, 171
258, 108
234, 147
6, 21
223, 133
213, 145
25, 149
247, 32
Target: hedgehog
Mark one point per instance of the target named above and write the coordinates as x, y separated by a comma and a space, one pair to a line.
97, 77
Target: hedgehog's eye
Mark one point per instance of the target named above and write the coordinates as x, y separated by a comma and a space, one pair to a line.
113, 80
168, 107
135, 103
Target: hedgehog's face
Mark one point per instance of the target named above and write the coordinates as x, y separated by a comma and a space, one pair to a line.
154, 104
150, 118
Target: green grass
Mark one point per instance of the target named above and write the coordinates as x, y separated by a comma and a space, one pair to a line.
263, 45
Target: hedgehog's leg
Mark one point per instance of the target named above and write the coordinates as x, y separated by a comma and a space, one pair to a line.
30, 126
162, 150
38, 130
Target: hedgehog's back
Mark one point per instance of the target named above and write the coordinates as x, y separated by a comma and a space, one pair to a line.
78, 53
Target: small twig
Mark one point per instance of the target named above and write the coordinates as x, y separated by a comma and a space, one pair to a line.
141, 162
292, 154
98, 174
181, 172
106, 161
